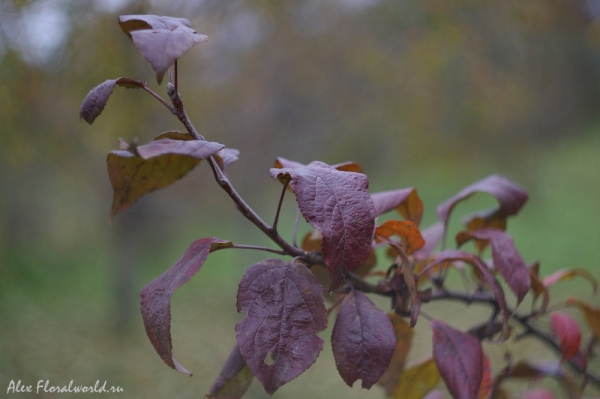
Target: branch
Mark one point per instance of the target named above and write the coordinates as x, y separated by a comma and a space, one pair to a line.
482, 297
222, 180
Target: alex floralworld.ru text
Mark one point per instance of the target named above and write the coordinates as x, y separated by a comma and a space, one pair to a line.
46, 387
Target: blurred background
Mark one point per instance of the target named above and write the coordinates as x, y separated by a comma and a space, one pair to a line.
434, 94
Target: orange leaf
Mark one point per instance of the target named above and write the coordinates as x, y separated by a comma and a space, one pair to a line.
487, 384
406, 230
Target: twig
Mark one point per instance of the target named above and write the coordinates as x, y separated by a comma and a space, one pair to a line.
279, 205
258, 248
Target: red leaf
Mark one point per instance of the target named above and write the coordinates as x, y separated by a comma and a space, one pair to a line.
454, 255
234, 379
363, 340
156, 296
161, 40
567, 331
487, 383
406, 201
96, 99
507, 260
340, 207
510, 196
459, 358
278, 337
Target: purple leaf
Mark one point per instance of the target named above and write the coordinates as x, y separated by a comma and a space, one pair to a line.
432, 236
507, 260
234, 379
406, 201
363, 340
96, 99
278, 337
198, 149
510, 196
156, 296
457, 255
459, 358
161, 40
339, 206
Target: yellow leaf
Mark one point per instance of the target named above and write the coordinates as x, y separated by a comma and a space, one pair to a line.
418, 380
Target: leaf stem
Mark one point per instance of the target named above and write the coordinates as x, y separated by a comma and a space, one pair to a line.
296, 223
258, 248
279, 205
159, 98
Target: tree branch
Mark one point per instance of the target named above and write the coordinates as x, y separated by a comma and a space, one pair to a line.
223, 181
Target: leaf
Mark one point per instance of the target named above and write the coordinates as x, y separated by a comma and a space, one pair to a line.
568, 333
173, 135
507, 260
391, 378
156, 296
406, 201
234, 379
435, 395
539, 393
285, 310
363, 340
487, 383
459, 358
486, 219
565, 274
432, 236
457, 255
198, 149
96, 99
538, 288
349, 166
510, 196
418, 380
161, 40
227, 157
406, 230
591, 315
340, 207
132, 176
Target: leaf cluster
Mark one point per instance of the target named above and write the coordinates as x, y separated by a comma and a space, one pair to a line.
336, 265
